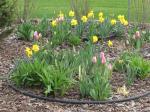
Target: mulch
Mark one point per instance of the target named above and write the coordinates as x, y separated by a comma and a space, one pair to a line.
11, 101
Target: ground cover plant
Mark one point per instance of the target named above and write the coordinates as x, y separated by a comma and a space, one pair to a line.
70, 53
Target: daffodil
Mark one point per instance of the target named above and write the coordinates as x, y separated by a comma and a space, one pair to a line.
84, 19
74, 22
95, 39
113, 22
101, 19
100, 14
110, 44
91, 14
123, 90
35, 48
125, 23
71, 13
61, 14
28, 52
54, 23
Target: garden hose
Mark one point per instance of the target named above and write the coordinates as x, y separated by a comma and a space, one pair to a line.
74, 101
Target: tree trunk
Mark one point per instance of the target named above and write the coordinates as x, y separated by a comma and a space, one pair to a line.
26, 10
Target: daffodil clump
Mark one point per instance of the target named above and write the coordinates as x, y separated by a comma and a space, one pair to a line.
101, 18
90, 14
29, 51
123, 20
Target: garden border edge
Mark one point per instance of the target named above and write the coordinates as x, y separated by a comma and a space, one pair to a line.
75, 101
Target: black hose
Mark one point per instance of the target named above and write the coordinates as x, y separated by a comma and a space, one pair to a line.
74, 101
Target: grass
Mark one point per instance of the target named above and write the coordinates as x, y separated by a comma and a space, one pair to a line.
48, 8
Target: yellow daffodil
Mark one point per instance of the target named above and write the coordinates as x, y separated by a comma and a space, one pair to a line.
113, 22
28, 52
125, 23
71, 13
35, 48
101, 19
54, 23
74, 22
91, 14
61, 14
123, 20
110, 44
121, 17
123, 90
95, 39
84, 19
100, 14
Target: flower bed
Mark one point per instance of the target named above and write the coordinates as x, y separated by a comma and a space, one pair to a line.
82, 70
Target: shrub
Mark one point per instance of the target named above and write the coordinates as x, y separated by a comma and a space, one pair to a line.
7, 9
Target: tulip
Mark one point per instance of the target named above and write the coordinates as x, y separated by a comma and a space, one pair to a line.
94, 59
103, 59
109, 67
137, 34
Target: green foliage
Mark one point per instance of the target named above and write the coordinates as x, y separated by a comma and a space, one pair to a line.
60, 33
55, 76
94, 77
25, 31
7, 9
42, 27
74, 40
134, 66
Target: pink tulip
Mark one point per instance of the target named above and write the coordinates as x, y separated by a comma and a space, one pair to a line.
94, 59
35, 34
103, 59
137, 34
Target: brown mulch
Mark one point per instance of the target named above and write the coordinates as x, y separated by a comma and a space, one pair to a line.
11, 101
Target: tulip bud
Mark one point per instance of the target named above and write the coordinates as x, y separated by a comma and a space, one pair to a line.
94, 59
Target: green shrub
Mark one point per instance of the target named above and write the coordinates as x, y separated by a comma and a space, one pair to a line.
7, 9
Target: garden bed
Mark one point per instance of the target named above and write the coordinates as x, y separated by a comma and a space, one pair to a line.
80, 59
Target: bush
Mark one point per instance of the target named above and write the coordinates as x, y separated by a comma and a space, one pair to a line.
7, 9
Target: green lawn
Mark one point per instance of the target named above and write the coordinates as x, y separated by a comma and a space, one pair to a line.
47, 8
